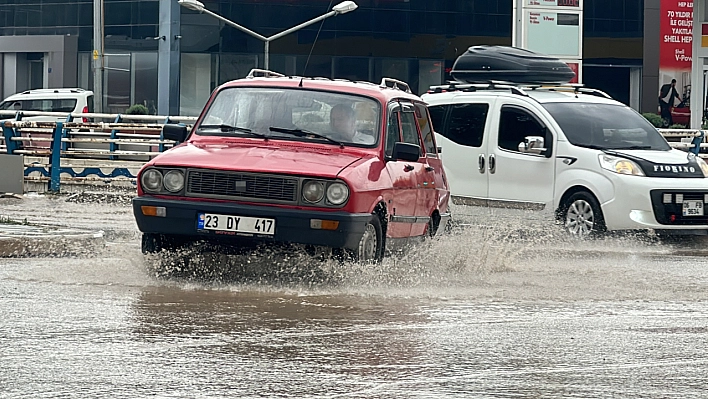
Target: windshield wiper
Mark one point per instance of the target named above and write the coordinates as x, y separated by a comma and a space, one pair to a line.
304, 133
592, 146
230, 129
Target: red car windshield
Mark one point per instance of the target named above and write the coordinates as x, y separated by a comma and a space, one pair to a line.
293, 114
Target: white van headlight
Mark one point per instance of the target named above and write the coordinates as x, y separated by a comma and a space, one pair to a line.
703, 165
622, 166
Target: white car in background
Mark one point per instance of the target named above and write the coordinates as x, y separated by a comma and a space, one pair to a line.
74, 100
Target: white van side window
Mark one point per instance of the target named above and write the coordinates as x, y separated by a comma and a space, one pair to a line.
515, 124
465, 124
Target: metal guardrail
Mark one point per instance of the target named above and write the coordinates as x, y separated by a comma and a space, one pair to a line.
691, 140
94, 152
66, 151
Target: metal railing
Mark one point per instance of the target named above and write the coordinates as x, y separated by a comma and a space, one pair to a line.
691, 140
104, 149
112, 147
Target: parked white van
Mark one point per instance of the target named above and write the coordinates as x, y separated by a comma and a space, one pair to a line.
48, 100
589, 161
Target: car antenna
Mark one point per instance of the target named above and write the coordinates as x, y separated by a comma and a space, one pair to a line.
304, 70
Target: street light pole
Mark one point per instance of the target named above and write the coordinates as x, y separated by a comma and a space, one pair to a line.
341, 8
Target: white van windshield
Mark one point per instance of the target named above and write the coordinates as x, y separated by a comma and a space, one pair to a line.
285, 113
606, 126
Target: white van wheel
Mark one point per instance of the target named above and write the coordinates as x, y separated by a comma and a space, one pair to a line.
582, 216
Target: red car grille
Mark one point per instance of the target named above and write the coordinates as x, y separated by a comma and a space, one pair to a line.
242, 186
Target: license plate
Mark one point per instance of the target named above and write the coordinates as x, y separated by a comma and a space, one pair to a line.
692, 208
236, 224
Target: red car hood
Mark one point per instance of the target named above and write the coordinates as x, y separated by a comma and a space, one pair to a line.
276, 158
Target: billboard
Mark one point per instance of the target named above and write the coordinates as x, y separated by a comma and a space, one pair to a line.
551, 27
675, 45
554, 33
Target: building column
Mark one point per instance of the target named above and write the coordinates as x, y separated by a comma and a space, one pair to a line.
697, 99
650, 69
168, 63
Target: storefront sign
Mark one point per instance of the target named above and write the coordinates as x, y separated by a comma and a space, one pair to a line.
675, 45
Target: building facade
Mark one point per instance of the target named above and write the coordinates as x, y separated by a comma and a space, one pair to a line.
49, 43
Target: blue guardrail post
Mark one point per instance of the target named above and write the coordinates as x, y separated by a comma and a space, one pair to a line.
696, 142
9, 133
55, 161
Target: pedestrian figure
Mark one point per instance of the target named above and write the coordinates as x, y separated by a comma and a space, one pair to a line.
667, 98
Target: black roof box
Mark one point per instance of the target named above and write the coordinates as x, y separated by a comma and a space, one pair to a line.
483, 64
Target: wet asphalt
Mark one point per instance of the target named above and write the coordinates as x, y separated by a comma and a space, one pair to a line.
507, 308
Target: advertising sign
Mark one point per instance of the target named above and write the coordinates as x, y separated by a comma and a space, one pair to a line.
553, 33
675, 45
551, 27
553, 3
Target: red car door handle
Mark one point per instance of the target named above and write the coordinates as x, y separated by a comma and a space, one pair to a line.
408, 168
429, 169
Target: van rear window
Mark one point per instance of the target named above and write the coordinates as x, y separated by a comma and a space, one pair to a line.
43, 105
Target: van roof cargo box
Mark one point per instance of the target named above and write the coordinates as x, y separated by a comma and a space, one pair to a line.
483, 64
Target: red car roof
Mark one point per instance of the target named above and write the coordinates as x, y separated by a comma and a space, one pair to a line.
382, 93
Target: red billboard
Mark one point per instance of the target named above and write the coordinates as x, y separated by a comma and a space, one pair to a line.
675, 44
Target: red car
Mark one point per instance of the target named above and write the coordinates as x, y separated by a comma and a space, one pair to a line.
270, 161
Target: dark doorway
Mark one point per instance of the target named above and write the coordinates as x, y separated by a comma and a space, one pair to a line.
612, 80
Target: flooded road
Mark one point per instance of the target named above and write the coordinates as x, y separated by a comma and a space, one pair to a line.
482, 313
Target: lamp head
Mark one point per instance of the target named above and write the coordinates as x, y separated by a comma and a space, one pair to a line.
341, 8
192, 5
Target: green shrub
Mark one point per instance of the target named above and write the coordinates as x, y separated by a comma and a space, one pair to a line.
137, 109
677, 126
654, 119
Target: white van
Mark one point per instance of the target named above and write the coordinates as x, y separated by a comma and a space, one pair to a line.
589, 161
48, 100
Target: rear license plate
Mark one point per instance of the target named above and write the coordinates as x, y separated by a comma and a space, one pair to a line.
236, 224
692, 208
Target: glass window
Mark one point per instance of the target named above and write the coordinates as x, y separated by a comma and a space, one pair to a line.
195, 83
430, 73
63, 105
316, 65
515, 124
145, 81
437, 117
425, 128
393, 130
297, 114
117, 81
351, 68
606, 126
466, 124
47, 105
409, 129
396, 68
233, 66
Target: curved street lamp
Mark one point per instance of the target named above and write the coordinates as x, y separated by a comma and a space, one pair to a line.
341, 8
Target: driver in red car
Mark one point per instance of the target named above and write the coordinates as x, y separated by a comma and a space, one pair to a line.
342, 120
